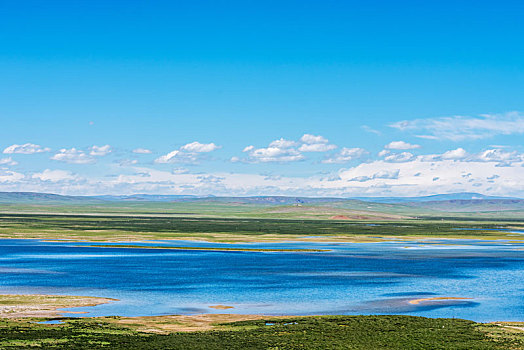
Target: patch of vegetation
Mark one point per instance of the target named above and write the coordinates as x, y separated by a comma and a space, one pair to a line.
103, 227
326, 332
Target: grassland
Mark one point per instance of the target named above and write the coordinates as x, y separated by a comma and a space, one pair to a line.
219, 222
102, 227
246, 220
325, 332
464, 205
219, 208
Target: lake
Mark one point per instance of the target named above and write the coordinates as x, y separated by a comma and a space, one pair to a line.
349, 278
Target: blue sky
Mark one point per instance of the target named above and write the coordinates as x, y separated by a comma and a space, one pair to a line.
205, 88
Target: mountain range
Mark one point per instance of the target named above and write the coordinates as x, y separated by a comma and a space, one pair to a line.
453, 202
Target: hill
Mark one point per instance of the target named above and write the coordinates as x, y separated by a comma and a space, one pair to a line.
432, 198
41, 198
471, 205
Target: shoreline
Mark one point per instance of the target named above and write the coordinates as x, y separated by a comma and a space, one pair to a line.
45, 305
222, 331
21, 306
269, 239
216, 249
236, 330
168, 324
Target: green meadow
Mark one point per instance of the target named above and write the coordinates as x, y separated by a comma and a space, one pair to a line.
105, 227
326, 332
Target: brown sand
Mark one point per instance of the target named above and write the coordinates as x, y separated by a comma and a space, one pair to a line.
38, 305
221, 307
418, 301
340, 217
183, 323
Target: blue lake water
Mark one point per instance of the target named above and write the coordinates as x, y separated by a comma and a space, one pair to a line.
350, 278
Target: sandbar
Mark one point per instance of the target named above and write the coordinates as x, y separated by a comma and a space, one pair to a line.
422, 300
41, 305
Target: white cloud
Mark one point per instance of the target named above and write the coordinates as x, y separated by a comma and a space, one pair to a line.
383, 174
427, 137
73, 156
345, 155
419, 177
411, 178
274, 154
27, 148
7, 176
458, 128
54, 175
316, 147
415, 177
387, 174
400, 145
177, 171
8, 161
496, 155
459, 153
280, 150
500, 155
283, 150
282, 143
167, 158
312, 143
312, 139
189, 153
397, 157
127, 162
100, 151
146, 180
142, 151
197, 147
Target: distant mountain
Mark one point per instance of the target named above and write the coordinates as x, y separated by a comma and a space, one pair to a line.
26, 197
433, 198
144, 198
455, 202
471, 205
275, 200
35, 197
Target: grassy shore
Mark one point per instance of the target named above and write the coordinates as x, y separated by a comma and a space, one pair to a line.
23, 329
315, 332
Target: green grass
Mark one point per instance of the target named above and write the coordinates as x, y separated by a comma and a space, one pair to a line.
283, 208
132, 228
327, 332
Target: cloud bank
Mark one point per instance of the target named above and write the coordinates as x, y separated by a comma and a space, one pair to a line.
459, 128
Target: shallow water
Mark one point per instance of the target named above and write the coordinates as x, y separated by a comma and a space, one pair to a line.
350, 278
51, 322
